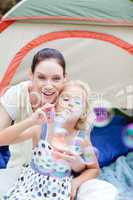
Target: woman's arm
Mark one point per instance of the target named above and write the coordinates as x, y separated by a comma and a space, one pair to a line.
5, 119
22, 130
30, 133
91, 171
10, 134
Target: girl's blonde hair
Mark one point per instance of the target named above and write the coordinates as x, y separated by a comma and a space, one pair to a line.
83, 122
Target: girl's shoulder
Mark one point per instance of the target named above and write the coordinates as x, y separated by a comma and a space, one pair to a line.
85, 137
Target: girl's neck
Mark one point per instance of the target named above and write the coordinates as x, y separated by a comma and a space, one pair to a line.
70, 129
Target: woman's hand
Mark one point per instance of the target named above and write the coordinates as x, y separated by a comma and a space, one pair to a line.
43, 114
38, 117
75, 161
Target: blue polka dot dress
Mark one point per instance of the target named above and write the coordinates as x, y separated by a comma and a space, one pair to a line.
46, 178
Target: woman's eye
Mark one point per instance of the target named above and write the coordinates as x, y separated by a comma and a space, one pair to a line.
65, 99
41, 77
56, 78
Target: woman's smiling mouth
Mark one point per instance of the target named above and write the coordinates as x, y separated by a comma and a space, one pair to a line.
48, 94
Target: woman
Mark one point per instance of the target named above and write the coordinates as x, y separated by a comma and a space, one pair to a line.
47, 78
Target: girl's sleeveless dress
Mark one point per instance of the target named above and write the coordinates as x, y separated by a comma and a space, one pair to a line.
46, 178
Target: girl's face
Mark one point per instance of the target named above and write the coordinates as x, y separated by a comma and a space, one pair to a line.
72, 99
47, 82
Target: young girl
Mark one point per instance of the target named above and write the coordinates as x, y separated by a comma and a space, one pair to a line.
49, 174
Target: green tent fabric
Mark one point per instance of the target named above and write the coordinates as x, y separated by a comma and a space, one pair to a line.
96, 11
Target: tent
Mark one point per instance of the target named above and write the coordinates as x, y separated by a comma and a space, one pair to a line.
95, 37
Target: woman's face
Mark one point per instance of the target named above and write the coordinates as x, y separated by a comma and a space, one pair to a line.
47, 82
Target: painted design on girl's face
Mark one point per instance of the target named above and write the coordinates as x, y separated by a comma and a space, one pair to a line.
72, 99
73, 103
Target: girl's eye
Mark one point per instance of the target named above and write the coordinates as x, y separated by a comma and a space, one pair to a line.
77, 102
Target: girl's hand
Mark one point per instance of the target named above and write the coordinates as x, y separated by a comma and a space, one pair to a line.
74, 188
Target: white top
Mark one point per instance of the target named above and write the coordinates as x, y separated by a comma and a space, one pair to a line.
16, 101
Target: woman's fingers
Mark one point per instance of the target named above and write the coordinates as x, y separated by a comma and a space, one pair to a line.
63, 155
38, 117
49, 110
44, 114
41, 116
73, 189
72, 197
68, 157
